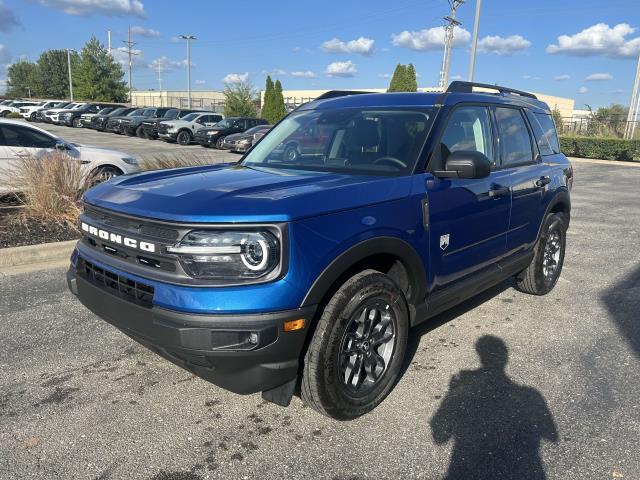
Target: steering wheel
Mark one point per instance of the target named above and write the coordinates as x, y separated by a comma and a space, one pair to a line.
390, 160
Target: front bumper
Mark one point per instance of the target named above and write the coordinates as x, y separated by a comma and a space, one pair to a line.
205, 345
66, 121
240, 147
168, 136
205, 140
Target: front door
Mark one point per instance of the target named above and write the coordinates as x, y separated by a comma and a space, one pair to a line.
468, 218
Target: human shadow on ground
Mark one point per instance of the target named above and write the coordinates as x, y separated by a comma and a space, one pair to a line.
495, 424
622, 300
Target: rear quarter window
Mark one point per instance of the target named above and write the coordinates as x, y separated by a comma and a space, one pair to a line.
546, 134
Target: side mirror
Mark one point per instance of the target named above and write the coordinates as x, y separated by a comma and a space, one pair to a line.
465, 164
61, 146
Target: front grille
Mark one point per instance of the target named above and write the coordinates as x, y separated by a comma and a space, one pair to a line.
124, 287
134, 226
163, 128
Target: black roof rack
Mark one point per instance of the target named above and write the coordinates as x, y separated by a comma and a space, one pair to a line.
467, 87
339, 93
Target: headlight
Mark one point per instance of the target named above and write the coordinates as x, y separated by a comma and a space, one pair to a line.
245, 141
130, 160
231, 255
212, 132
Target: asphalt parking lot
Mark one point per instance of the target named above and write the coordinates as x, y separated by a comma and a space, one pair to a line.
140, 147
80, 400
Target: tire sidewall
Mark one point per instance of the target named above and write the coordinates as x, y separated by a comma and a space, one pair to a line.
351, 299
219, 142
182, 135
552, 223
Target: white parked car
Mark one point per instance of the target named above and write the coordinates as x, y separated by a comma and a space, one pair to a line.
51, 115
14, 107
28, 111
20, 140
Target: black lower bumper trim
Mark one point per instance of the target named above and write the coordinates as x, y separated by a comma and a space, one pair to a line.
241, 353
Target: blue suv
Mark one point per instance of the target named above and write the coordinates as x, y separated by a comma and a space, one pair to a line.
303, 274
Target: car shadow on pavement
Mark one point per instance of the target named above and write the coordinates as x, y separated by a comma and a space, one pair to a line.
496, 424
622, 300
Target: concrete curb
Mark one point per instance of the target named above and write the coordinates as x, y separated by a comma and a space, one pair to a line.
35, 254
617, 163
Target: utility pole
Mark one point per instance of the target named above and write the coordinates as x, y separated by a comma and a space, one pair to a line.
474, 41
160, 81
109, 41
634, 106
130, 51
69, 68
448, 41
188, 38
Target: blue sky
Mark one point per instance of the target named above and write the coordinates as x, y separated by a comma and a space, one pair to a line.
346, 44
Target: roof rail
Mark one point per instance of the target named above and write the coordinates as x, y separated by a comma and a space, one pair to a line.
339, 93
467, 87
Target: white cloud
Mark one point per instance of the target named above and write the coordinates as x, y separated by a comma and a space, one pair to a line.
599, 39
145, 32
429, 39
384, 75
503, 45
5, 55
296, 49
304, 74
200, 82
531, 77
236, 77
8, 19
166, 64
583, 90
362, 46
561, 78
341, 69
276, 72
121, 56
109, 8
599, 77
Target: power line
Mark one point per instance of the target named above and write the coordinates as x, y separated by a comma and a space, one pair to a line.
449, 27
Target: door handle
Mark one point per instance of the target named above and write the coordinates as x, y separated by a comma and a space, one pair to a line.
542, 181
498, 191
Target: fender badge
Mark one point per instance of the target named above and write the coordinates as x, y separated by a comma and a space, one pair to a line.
444, 241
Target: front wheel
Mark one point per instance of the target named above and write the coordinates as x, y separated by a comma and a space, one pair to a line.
184, 138
357, 350
140, 132
543, 272
102, 174
75, 123
32, 117
219, 143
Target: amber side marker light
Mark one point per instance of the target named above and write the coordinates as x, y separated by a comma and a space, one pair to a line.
293, 325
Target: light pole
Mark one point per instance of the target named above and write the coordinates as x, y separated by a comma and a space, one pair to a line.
69, 50
474, 42
188, 38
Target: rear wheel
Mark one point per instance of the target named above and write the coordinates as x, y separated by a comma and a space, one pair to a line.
184, 137
357, 350
291, 153
102, 174
76, 123
544, 270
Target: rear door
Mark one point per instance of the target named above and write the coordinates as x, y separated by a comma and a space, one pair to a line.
468, 218
520, 159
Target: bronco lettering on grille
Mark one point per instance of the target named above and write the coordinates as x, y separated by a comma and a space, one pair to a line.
118, 239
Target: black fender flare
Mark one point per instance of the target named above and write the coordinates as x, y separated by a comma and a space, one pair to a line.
367, 248
561, 197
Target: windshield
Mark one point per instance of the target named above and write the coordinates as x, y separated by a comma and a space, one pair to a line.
135, 112
226, 123
148, 112
253, 130
350, 140
191, 117
117, 111
104, 111
171, 114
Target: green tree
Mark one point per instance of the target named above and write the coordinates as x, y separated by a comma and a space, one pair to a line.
22, 78
280, 110
398, 79
239, 100
98, 76
412, 79
268, 107
557, 119
53, 73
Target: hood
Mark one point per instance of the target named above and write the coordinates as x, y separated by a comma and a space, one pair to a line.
135, 118
234, 193
176, 123
96, 153
238, 136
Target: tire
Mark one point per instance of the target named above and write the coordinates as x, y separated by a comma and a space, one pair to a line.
543, 272
75, 123
102, 174
32, 117
329, 385
140, 132
291, 153
184, 137
219, 142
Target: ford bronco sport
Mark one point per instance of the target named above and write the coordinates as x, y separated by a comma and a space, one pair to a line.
304, 275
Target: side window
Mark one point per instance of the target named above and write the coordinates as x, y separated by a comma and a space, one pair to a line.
514, 137
17, 136
546, 134
201, 120
469, 129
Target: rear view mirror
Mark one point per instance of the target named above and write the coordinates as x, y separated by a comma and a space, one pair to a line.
465, 164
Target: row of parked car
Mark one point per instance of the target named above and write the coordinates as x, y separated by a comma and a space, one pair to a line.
183, 126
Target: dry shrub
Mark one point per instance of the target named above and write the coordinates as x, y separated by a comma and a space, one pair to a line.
177, 160
51, 186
